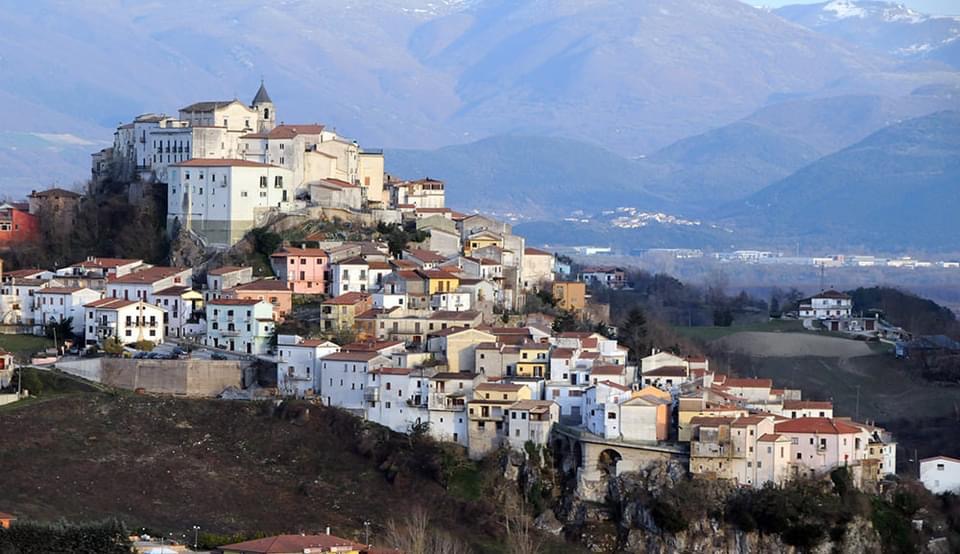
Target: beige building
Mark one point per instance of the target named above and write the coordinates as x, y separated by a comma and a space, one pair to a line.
486, 412
457, 346
537, 268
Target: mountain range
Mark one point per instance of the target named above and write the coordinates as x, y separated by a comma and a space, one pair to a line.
533, 107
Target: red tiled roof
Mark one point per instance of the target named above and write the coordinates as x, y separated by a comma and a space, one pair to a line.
223, 270
272, 285
667, 371
535, 252
347, 299
819, 425
769, 437
234, 301
287, 251
711, 421
173, 291
148, 276
371, 346
393, 370
607, 370
806, 405
613, 385
351, 356
562, 353
59, 290
110, 303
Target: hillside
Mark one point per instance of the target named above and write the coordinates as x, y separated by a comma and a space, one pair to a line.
886, 27
623, 74
535, 176
874, 192
169, 464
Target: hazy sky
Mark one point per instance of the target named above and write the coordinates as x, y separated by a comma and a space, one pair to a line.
941, 7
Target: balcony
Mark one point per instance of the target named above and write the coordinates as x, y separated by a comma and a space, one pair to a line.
711, 449
371, 394
454, 402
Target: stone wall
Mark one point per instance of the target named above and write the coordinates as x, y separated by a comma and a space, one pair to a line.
177, 377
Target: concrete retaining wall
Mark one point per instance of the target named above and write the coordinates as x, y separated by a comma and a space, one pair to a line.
178, 377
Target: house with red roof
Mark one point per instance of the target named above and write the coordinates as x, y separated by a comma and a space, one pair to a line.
298, 364
303, 270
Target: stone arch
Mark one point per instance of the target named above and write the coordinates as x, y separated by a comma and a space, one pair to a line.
607, 461
578, 453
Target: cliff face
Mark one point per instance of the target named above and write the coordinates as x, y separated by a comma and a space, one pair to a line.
655, 510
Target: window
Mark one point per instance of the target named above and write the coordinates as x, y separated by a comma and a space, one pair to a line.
611, 415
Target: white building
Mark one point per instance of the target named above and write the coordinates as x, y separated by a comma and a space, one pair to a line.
451, 301
422, 193
829, 304
940, 474
56, 304
237, 325
129, 321
179, 304
298, 364
343, 376
350, 275
225, 277
537, 268
530, 421
146, 283
396, 397
222, 199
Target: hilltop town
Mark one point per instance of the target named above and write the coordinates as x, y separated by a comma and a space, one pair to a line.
422, 327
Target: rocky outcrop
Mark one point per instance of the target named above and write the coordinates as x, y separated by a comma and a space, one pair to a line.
657, 509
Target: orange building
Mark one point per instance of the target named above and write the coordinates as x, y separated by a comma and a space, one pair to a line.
274, 291
17, 224
6, 519
570, 295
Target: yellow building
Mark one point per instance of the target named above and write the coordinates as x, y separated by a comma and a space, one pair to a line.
691, 407
440, 281
486, 412
534, 360
482, 240
570, 295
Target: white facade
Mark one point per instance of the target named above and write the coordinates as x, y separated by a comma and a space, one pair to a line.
298, 364
940, 474
530, 421
350, 275
56, 304
536, 268
343, 376
128, 320
827, 305
451, 301
242, 326
222, 199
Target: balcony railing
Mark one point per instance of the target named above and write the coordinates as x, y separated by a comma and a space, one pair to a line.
371, 394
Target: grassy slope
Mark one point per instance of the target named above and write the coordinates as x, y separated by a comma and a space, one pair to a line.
922, 415
169, 464
24, 345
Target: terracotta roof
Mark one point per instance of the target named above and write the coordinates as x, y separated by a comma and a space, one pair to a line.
535, 252
287, 544
607, 370
356, 260
770, 437
535, 406
392, 370
371, 346
234, 302
562, 353
110, 303
54, 193
218, 162
806, 405
223, 270
499, 387
426, 255
466, 315
287, 131
711, 421
106, 262
454, 376
613, 385
375, 265
274, 285
832, 294
24, 272
173, 291
351, 356
294, 251
148, 276
667, 371
819, 425
347, 299
748, 420
60, 290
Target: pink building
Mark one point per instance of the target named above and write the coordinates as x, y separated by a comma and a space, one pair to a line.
821, 444
302, 269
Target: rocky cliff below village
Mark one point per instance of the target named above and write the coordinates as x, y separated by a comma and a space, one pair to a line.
660, 509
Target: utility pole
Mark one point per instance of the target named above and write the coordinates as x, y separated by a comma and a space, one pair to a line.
366, 533
196, 531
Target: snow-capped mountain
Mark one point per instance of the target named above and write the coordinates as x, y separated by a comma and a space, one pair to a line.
882, 26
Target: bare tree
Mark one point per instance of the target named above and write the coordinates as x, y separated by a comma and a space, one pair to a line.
414, 535
522, 537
